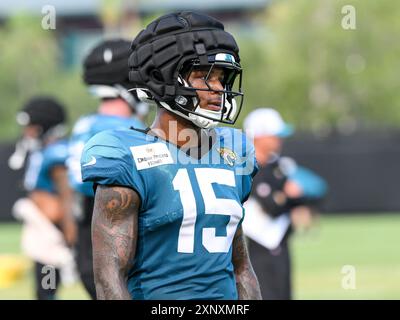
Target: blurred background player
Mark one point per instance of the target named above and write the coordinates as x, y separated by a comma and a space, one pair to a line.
106, 74
48, 224
283, 195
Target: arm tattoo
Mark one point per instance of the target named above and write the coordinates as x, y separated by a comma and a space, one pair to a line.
114, 236
246, 280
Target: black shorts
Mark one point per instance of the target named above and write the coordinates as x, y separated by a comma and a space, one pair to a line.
273, 270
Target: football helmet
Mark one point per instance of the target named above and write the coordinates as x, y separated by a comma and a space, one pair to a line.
166, 52
105, 71
46, 113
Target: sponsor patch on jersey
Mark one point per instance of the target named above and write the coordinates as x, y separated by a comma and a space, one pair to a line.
151, 155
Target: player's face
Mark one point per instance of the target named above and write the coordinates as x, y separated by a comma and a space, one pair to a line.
31, 131
268, 144
209, 100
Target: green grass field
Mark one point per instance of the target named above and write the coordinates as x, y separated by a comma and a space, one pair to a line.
369, 243
23, 288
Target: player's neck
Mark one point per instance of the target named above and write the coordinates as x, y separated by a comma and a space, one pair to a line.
115, 107
176, 130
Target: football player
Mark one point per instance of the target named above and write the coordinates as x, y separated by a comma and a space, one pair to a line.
168, 204
106, 74
49, 227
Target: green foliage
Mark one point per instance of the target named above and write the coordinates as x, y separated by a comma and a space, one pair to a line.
298, 59
30, 65
321, 75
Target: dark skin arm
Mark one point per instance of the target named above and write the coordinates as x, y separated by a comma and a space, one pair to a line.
114, 237
246, 280
60, 177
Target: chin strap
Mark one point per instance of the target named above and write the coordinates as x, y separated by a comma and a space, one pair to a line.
199, 117
197, 120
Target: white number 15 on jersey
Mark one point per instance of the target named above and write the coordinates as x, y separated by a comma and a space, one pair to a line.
205, 178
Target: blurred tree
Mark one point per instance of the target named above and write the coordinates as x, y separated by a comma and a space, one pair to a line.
30, 65
111, 15
320, 75
298, 59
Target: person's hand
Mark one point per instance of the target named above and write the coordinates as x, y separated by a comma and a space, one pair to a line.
70, 231
292, 189
301, 217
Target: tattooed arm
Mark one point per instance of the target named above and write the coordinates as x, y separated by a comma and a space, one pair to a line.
246, 280
114, 236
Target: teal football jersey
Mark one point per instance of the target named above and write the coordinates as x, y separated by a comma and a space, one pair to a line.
190, 208
85, 128
40, 164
